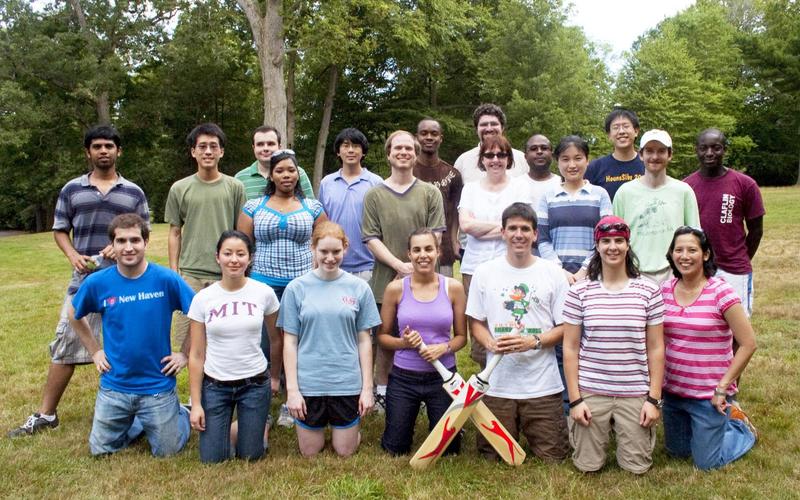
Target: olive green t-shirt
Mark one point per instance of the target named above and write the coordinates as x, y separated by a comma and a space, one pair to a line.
391, 217
203, 210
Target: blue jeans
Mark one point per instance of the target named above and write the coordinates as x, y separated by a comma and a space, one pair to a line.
119, 418
694, 428
406, 390
252, 407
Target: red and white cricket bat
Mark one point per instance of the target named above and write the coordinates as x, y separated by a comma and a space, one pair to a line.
483, 418
454, 418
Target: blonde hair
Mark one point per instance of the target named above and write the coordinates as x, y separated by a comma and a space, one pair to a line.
328, 228
388, 145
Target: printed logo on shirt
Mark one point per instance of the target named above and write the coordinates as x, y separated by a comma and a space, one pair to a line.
443, 183
349, 301
518, 302
650, 222
622, 177
726, 211
124, 299
232, 308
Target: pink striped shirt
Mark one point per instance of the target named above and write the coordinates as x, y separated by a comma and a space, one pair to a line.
698, 340
612, 360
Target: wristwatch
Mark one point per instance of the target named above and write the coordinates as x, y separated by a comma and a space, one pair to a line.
658, 403
538, 344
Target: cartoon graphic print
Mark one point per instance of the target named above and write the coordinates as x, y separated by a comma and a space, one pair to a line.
518, 305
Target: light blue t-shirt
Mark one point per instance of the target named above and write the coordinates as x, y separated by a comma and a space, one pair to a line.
326, 317
137, 315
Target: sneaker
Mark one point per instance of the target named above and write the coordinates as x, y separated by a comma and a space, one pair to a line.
380, 403
284, 419
34, 424
738, 414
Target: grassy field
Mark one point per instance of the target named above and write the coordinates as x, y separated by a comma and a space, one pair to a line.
57, 463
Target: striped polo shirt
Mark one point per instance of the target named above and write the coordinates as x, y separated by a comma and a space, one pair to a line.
612, 360
566, 223
255, 184
86, 212
698, 340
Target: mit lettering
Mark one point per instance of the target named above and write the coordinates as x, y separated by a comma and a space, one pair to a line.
236, 308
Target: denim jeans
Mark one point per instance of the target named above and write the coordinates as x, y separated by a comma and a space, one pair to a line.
694, 428
119, 418
406, 390
252, 407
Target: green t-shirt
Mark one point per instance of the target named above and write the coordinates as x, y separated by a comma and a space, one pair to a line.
390, 217
653, 216
255, 183
203, 210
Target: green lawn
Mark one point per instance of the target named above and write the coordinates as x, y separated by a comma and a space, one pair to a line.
57, 463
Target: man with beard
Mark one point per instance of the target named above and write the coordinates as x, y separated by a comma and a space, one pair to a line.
430, 168
654, 206
85, 207
489, 120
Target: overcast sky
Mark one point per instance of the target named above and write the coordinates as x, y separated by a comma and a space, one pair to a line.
618, 23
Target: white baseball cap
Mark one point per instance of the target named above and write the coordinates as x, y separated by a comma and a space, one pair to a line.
656, 135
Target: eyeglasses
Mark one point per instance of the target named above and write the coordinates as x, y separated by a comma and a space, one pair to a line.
613, 227
492, 156
213, 146
622, 126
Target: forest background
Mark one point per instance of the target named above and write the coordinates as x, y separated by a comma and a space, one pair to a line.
157, 68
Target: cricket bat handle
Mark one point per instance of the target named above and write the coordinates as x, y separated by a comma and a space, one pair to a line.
483, 376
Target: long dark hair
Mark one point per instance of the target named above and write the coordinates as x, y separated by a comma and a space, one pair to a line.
276, 158
594, 271
238, 235
709, 267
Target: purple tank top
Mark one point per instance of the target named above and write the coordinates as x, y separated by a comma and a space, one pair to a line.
433, 320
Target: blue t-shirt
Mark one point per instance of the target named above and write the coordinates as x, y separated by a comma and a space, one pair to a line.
326, 317
610, 173
137, 314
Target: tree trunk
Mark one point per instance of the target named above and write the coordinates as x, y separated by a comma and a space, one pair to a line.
103, 107
101, 101
268, 36
290, 87
325, 126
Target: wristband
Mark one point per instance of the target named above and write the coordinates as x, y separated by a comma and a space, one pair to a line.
573, 404
720, 392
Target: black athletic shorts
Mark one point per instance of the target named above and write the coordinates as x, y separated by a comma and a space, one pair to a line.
340, 412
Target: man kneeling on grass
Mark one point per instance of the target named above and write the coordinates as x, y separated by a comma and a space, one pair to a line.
137, 369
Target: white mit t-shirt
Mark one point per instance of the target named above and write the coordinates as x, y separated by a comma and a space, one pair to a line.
530, 299
233, 328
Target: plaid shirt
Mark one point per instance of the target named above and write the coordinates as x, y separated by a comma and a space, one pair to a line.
283, 241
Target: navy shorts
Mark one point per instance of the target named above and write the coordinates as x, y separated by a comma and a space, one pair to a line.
340, 412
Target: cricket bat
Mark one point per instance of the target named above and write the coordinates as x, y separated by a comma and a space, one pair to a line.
483, 418
454, 418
